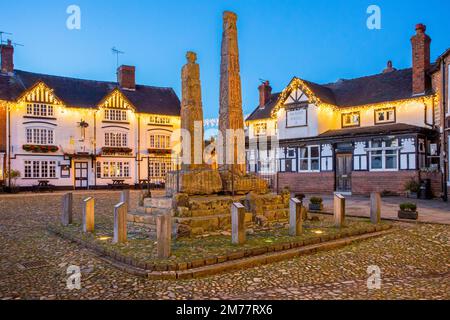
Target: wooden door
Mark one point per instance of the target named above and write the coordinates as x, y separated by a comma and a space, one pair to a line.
344, 168
81, 175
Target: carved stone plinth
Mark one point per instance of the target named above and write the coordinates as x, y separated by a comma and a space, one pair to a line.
193, 182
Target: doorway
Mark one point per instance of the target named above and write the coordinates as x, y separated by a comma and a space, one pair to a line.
81, 175
344, 168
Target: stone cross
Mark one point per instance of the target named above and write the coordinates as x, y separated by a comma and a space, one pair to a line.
295, 217
88, 214
375, 207
192, 111
120, 223
238, 235
339, 210
67, 204
164, 235
125, 197
230, 112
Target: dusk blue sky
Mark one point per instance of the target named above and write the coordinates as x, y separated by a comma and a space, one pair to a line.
319, 40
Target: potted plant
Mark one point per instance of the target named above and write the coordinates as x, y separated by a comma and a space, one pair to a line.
316, 204
412, 188
408, 211
13, 175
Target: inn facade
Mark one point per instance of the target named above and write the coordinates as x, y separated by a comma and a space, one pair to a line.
84, 134
356, 136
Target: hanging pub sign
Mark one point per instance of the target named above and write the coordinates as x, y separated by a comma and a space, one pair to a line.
297, 117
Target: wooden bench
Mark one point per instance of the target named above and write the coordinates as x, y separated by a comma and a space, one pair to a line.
44, 185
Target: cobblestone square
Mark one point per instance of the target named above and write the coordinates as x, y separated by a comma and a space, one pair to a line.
413, 260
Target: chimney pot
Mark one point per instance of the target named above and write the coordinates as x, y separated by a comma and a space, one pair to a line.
421, 28
126, 77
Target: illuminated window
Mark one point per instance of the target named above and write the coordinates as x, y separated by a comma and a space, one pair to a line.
260, 129
350, 119
113, 169
159, 141
385, 116
159, 120
116, 115
39, 110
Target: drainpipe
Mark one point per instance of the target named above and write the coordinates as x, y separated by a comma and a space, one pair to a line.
9, 145
443, 140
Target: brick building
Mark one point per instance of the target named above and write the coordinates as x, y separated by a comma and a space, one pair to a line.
374, 133
77, 133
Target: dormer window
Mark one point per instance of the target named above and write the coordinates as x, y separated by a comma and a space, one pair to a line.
351, 119
40, 110
116, 115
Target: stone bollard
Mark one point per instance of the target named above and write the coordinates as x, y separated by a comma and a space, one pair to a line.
164, 235
238, 235
375, 207
120, 223
67, 204
295, 217
88, 214
339, 210
125, 198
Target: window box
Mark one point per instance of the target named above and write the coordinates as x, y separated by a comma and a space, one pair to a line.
114, 150
39, 149
160, 151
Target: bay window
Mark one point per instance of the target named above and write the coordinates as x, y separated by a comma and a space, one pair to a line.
309, 158
384, 155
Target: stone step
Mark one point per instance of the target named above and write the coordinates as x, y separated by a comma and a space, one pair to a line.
163, 203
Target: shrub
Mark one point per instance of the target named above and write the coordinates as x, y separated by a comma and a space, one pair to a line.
316, 200
412, 185
409, 207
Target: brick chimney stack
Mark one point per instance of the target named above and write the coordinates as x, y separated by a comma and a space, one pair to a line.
265, 91
421, 59
126, 76
7, 52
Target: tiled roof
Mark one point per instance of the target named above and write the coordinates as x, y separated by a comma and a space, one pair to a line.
383, 129
264, 113
392, 86
88, 94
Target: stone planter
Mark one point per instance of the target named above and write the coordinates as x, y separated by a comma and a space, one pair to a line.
315, 207
410, 215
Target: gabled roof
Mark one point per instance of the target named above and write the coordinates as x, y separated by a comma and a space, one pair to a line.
88, 93
384, 87
264, 113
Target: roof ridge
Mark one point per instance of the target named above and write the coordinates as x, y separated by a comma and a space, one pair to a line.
90, 80
365, 77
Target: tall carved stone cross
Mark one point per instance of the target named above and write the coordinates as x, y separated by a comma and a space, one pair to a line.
231, 115
192, 113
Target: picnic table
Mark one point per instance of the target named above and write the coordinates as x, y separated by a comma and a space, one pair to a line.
44, 185
118, 184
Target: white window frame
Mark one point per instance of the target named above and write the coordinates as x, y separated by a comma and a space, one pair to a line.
159, 141
113, 169
40, 136
383, 149
309, 158
116, 139
44, 110
260, 129
40, 169
159, 120
386, 111
119, 115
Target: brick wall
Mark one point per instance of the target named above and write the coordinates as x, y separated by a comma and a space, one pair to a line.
2, 129
364, 183
322, 182
436, 182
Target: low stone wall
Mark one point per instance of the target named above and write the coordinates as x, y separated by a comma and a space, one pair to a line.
320, 182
